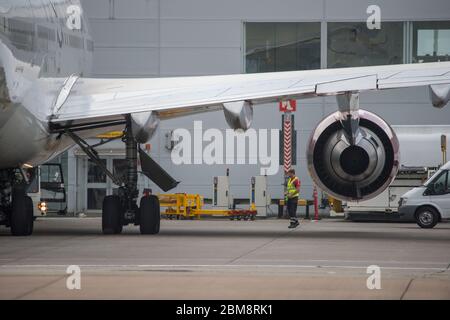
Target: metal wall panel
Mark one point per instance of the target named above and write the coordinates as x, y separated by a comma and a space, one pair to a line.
199, 61
98, 9
238, 9
115, 62
136, 9
125, 33
200, 33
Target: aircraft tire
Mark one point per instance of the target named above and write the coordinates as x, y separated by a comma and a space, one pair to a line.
150, 215
112, 215
21, 221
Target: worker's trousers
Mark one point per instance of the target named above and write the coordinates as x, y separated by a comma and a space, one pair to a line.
292, 208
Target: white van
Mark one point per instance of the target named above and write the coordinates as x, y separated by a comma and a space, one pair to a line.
430, 203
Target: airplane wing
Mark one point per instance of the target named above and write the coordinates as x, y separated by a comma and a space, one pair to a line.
88, 103
91, 98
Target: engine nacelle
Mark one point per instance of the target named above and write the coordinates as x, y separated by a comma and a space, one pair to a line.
358, 171
439, 94
144, 125
239, 115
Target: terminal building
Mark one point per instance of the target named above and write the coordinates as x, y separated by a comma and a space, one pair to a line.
156, 38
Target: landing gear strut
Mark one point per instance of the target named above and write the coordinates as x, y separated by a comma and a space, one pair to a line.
122, 209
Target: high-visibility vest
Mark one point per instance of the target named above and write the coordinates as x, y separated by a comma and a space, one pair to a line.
292, 191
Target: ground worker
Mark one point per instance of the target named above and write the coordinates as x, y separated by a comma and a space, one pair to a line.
291, 198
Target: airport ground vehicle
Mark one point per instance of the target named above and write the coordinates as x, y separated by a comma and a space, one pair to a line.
385, 206
429, 203
191, 206
33, 190
46, 188
53, 191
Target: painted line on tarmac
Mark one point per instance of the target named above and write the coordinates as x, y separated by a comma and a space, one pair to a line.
214, 266
367, 261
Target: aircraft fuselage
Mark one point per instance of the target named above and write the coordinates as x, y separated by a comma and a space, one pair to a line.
39, 50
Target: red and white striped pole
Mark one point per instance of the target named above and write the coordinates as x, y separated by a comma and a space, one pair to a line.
316, 205
287, 142
287, 107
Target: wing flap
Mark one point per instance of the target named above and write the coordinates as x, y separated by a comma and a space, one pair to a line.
361, 83
152, 170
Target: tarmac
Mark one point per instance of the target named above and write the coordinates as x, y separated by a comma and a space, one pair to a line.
222, 259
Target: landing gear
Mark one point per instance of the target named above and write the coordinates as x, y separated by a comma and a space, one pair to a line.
119, 210
122, 209
16, 208
21, 219
112, 215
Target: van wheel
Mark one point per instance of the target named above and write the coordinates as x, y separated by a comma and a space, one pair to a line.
427, 217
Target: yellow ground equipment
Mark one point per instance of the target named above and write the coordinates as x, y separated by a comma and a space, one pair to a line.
191, 206
335, 204
301, 202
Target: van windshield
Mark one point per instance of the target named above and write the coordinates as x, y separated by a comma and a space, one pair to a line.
436, 174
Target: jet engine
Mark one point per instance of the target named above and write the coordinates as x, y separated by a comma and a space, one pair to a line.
144, 125
353, 166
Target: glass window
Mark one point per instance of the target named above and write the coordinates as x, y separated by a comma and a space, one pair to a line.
95, 174
282, 46
431, 41
352, 44
448, 182
33, 179
52, 183
51, 173
439, 184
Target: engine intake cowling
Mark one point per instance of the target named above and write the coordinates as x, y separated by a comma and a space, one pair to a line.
353, 171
